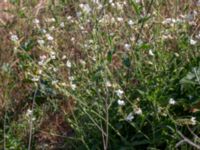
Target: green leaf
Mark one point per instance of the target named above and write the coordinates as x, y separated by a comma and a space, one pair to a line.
27, 46
109, 56
127, 61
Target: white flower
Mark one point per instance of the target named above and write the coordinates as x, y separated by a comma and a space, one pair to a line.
64, 57
53, 55
193, 120
113, 4
14, 38
94, 58
72, 39
43, 58
35, 79
108, 84
198, 36
41, 63
69, 17
62, 24
137, 1
172, 101
85, 7
138, 111
51, 20
132, 38
176, 54
33, 118
82, 62
54, 82
41, 42
121, 102
52, 28
63, 84
119, 93
130, 117
44, 31
36, 21
120, 19
168, 21
151, 53
95, 1
40, 71
127, 46
100, 6
130, 22
73, 86
71, 78
29, 112
49, 37
193, 42
69, 64
149, 62
119, 6
55, 69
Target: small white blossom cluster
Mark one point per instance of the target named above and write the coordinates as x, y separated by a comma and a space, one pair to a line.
36, 21
172, 101
193, 120
108, 83
130, 117
127, 46
193, 42
138, 111
171, 21
69, 64
14, 38
120, 93
50, 20
49, 37
73, 86
118, 5
35, 79
29, 114
107, 19
41, 42
85, 8
53, 55
42, 60
121, 102
62, 24
138, 1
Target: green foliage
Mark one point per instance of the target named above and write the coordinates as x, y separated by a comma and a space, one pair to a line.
119, 75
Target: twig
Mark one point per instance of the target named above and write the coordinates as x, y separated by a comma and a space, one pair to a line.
185, 139
180, 143
195, 136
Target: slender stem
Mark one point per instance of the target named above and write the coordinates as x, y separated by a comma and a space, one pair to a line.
107, 120
31, 120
